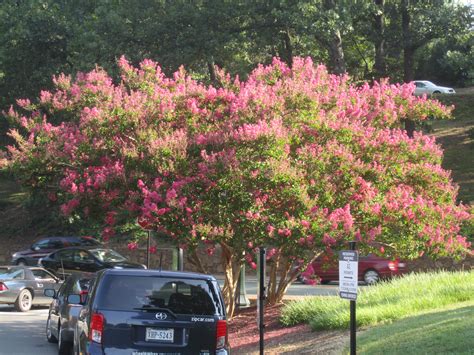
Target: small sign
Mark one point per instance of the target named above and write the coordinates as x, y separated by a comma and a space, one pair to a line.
348, 274
144, 223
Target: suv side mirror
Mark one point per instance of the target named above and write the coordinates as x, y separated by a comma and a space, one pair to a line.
74, 299
49, 292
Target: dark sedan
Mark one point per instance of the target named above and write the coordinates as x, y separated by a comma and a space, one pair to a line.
63, 313
72, 260
24, 287
45, 246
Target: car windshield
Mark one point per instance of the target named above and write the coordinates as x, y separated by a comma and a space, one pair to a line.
11, 273
180, 296
107, 255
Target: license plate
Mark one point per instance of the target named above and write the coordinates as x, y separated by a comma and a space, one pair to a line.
160, 334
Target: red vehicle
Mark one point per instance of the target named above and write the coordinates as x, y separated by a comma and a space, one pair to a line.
371, 269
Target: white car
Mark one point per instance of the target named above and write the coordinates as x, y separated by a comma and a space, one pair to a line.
428, 88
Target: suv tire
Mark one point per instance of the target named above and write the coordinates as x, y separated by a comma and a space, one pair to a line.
49, 334
64, 347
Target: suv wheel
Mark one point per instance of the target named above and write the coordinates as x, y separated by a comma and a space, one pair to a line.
64, 347
21, 262
24, 301
49, 333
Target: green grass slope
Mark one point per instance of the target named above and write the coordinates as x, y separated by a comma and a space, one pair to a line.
457, 139
444, 331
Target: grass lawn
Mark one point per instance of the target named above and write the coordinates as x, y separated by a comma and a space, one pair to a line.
10, 192
448, 330
385, 302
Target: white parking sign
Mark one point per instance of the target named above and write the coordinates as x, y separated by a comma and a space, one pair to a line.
348, 274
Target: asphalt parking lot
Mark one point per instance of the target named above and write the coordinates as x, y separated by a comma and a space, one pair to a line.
24, 333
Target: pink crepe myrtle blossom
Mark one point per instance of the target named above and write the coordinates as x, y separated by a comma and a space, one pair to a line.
295, 159
132, 246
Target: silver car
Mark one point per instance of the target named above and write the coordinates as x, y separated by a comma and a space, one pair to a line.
24, 287
428, 88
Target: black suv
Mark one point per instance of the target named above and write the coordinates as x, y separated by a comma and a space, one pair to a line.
152, 312
46, 246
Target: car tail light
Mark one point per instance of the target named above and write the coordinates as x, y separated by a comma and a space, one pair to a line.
221, 334
393, 265
83, 295
3, 287
96, 327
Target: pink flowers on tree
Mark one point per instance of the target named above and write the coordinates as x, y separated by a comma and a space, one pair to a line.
297, 160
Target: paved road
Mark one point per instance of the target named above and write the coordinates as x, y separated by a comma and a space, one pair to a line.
296, 290
23, 333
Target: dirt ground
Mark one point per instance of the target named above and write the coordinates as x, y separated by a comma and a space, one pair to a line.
299, 339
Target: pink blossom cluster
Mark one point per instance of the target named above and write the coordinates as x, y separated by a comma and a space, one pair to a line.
295, 159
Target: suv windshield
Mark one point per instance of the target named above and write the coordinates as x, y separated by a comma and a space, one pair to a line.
107, 255
180, 296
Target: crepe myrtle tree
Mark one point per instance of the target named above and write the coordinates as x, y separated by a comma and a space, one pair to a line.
296, 160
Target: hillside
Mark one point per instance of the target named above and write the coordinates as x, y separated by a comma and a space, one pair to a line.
457, 139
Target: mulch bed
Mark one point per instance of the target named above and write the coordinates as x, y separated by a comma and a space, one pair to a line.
244, 333
298, 339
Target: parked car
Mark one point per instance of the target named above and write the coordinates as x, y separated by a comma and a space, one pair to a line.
428, 88
371, 269
63, 314
70, 260
23, 287
45, 246
151, 311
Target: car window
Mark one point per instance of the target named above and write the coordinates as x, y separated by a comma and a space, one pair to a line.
82, 256
65, 255
89, 242
107, 255
63, 289
41, 274
80, 285
180, 296
11, 273
55, 244
42, 244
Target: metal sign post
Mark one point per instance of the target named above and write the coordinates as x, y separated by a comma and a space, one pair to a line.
148, 246
146, 225
348, 283
261, 296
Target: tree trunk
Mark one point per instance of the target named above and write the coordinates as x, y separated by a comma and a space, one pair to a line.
408, 64
380, 65
282, 275
336, 52
212, 70
231, 266
194, 259
408, 57
288, 49
408, 50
